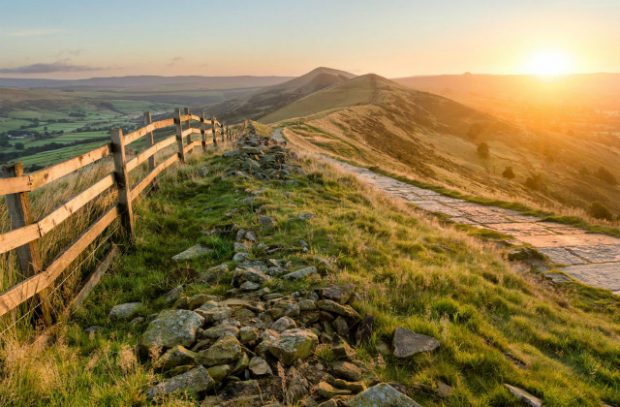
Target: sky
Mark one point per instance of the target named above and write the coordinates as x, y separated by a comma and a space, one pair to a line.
393, 38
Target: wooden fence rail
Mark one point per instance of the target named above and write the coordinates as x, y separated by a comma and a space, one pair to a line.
26, 231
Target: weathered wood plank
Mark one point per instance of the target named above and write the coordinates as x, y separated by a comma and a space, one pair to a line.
19, 293
143, 131
47, 175
149, 152
151, 140
137, 190
73, 205
189, 147
14, 185
94, 279
18, 237
26, 234
178, 120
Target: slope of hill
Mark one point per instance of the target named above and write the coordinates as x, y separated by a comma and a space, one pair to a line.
269, 99
495, 323
377, 122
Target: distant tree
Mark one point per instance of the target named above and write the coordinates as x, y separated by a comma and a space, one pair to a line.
19, 146
483, 150
604, 174
599, 211
508, 173
535, 182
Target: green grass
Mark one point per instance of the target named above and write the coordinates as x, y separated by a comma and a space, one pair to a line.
409, 272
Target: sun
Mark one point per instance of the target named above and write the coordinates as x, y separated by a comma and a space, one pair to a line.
549, 63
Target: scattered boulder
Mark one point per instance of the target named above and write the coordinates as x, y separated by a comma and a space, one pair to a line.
259, 366
192, 253
294, 344
301, 273
347, 370
124, 312
226, 349
283, 324
339, 293
172, 327
382, 395
175, 356
173, 295
407, 343
336, 308
327, 391
194, 381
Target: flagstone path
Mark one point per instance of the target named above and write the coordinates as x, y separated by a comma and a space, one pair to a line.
593, 259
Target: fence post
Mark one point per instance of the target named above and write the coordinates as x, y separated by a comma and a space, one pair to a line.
122, 181
213, 131
188, 139
151, 139
28, 256
203, 132
177, 121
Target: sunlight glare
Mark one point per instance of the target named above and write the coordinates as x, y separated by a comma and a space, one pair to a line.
549, 63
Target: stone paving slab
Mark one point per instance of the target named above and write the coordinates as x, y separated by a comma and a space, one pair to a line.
521, 229
562, 255
570, 240
605, 276
594, 259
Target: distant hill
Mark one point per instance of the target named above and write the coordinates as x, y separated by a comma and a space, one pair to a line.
564, 100
380, 123
267, 100
149, 82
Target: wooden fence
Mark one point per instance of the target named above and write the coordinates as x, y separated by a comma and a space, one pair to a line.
26, 231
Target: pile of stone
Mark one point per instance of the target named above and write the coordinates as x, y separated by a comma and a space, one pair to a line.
255, 346
260, 157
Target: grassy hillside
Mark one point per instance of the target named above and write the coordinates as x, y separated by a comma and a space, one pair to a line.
497, 323
376, 122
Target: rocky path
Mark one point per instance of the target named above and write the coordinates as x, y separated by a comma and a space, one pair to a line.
593, 259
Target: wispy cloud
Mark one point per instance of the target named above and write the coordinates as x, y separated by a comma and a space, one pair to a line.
35, 32
175, 60
49, 68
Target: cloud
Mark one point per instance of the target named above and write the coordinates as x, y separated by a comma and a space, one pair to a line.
175, 60
35, 32
49, 68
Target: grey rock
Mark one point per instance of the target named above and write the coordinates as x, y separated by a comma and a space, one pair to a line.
214, 313
267, 223
306, 304
173, 295
172, 327
192, 253
524, 396
407, 343
301, 273
225, 350
249, 274
239, 257
175, 356
123, 312
294, 344
219, 372
339, 293
219, 330
194, 381
347, 370
259, 366
382, 395
248, 335
249, 286
251, 236
336, 308
239, 247
284, 323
